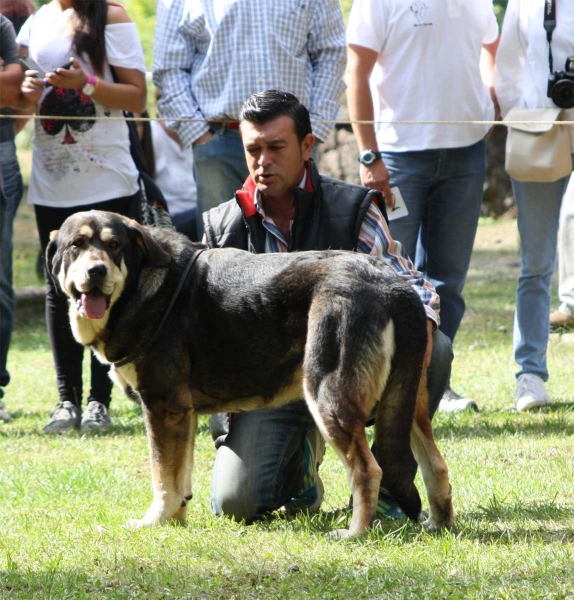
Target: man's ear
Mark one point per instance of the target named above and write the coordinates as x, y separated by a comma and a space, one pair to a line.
307, 146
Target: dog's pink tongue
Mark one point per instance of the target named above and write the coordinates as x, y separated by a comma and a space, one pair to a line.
94, 303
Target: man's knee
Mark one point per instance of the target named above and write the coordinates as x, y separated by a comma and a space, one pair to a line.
232, 494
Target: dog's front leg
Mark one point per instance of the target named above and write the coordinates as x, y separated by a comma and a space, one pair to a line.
171, 438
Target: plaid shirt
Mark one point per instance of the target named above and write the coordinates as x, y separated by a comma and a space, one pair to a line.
211, 55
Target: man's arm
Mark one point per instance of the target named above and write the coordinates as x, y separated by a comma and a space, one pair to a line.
360, 64
375, 239
487, 61
11, 77
327, 56
11, 73
173, 59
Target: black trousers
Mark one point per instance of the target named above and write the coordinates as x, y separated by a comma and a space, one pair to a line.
69, 354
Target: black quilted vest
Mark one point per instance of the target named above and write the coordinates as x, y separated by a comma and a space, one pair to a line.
329, 217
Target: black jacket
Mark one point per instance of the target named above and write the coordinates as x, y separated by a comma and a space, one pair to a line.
328, 216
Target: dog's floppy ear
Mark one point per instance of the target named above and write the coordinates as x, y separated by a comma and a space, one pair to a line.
154, 254
53, 260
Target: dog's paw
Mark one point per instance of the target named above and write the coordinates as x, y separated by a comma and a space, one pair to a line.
137, 524
431, 524
340, 534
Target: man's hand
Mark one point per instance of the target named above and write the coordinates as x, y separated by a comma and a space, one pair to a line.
376, 176
428, 353
206, 137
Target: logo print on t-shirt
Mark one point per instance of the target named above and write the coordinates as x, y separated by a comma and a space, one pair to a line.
419, 9
67, 103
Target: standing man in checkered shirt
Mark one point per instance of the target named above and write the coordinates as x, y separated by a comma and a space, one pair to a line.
210, 55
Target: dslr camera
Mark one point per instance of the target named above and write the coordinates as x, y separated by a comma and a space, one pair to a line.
561, 85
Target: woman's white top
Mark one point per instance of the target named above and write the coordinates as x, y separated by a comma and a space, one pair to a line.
79, 162
173, 171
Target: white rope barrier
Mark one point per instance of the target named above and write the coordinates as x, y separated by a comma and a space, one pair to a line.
324, 121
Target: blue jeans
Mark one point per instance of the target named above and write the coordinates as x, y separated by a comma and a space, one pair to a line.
538, 207
219, 169
443, 193
259, 466
12, 192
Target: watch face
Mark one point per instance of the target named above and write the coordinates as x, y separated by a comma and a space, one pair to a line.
89, 89
368, 157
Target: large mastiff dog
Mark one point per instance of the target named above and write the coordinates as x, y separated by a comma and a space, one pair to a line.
191, 331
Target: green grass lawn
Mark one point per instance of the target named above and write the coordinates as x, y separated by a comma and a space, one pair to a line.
64, 499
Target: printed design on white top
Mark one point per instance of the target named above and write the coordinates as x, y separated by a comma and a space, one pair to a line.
419, 10
67, 103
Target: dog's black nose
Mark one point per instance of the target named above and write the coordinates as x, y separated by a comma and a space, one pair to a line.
97, 271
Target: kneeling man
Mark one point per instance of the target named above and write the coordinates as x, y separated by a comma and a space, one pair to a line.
269, 458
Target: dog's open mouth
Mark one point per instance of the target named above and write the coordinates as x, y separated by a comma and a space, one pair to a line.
94, 303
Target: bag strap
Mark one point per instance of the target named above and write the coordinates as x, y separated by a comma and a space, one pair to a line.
550, 26
136, 148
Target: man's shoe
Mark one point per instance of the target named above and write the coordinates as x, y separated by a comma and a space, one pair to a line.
387, 507
453, 402
311, 496
531, 392
96, 417
560, 321
65, 417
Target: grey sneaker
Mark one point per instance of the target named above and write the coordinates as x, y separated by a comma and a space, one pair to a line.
96, 417
453, 402
65, 417
4, 414
530, 392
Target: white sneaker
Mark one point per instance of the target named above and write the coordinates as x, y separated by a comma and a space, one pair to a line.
530, 392
453, 402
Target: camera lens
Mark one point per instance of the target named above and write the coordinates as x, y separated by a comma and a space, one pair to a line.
563, 93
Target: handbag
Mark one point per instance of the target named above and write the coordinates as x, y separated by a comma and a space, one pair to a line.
152, 207
537, 149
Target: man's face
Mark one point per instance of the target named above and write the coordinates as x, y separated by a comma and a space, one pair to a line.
275, 158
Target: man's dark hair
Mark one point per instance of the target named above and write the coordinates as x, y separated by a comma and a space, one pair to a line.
267, 106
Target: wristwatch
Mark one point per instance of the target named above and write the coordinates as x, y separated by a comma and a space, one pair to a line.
90, 85
368, 157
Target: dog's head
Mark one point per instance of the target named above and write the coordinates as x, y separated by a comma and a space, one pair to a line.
92, 256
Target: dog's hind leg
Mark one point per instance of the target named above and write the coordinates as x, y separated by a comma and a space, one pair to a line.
433, 467
393, 425
171, 437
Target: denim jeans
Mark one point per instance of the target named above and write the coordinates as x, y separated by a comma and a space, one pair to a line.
220, 170
443, 193
538, 206
259, 466
566, 252
12, 192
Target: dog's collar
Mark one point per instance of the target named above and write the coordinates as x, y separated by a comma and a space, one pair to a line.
131, 357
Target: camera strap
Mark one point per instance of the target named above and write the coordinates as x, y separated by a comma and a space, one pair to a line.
550, 26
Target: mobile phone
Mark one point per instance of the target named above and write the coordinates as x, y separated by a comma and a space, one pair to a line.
31, 65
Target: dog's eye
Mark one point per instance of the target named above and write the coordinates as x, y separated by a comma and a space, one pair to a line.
78, 242
114, 244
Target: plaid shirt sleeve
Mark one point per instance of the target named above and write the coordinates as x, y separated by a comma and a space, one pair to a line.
327, 53
375, 239
173, 58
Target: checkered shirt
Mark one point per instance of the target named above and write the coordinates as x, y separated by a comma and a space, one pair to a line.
211, 55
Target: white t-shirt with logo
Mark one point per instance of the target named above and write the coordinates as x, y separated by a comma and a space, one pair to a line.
428, 69
85, 161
